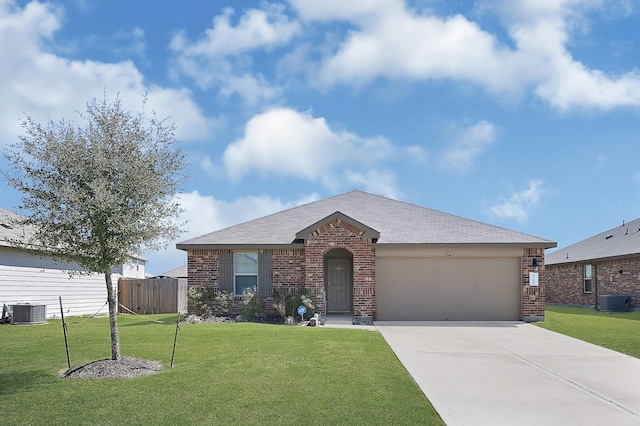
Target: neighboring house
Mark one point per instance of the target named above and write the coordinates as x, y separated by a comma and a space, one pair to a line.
179, 272
135, 268
368, 255
607, 263
39, 279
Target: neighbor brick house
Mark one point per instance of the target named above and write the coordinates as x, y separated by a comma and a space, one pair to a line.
368, 255
607, 263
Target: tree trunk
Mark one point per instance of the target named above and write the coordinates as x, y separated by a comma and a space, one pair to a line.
113, 319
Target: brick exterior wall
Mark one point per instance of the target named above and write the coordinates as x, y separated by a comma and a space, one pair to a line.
565, 281
294, 269
533, 297
287, 268
287, 271
203, 267
340, 234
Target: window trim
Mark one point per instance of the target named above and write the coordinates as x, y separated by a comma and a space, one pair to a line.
236, 274
588, 278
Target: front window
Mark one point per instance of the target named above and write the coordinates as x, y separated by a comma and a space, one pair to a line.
588, 278
245, 267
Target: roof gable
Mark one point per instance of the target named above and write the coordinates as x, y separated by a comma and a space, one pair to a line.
366, 232
616, 242
397, 222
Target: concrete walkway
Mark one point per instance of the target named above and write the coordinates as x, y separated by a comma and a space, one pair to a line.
512, 373
344, 321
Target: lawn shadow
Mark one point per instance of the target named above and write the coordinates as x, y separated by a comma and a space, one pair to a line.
166, 320
592, 312
630, 315
492, 324
22, 380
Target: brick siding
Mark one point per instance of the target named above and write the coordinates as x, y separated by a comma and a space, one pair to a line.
533, 297
340, 234
203, 267
294, 269
287, 271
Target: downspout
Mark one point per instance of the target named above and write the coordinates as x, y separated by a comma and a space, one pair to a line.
595, 280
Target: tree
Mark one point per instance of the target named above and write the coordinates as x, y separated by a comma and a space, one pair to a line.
97, 194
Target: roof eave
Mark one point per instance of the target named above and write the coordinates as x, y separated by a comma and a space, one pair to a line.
595, 259
186, 247
543, 245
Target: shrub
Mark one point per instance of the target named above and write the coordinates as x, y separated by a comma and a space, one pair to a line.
224, 302
281, 300
201, 300
303, 298
252, 303
206, 302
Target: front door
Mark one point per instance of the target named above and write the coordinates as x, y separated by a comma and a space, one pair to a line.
339, 285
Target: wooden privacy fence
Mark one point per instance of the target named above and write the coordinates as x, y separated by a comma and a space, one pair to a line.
152, 295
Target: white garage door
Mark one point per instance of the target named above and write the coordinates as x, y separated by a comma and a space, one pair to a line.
441, 289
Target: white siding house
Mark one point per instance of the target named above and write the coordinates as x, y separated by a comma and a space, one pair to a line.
26, 278
135, 268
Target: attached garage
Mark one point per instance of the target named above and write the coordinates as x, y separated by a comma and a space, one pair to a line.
441, 285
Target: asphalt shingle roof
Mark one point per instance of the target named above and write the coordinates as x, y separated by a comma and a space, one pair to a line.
619, 241
397, 222
9, 231
179, 272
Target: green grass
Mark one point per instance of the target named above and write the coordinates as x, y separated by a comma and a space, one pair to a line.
617, 331
232, 374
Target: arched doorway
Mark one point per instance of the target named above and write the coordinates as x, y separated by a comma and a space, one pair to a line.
338, 267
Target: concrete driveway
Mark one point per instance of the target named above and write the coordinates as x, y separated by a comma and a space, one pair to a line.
513, 373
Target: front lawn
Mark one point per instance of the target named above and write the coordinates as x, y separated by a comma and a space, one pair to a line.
619, 331
232, 374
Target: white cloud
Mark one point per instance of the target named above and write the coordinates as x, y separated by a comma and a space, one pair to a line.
204, 214
379, 182
402, 44
519, 205
416, 153
344, 10
543, 31
389, 40
210, 61
210, 166
43, 85
256, 29
179, 106
467, 145
285, 142
574, 85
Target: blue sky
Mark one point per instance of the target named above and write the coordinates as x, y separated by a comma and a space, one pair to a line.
523, 114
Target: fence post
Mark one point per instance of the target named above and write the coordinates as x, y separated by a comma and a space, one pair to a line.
64, 329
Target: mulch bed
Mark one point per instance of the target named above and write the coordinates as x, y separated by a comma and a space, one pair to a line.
124, 368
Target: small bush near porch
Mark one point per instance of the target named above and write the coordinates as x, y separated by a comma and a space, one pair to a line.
225, 373
616, 331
